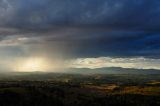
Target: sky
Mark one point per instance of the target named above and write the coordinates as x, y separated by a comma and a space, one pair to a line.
51, 34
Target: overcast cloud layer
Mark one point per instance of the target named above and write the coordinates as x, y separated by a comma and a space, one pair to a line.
80, 28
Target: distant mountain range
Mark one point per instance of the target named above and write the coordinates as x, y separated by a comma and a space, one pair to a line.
107, 70
112, 70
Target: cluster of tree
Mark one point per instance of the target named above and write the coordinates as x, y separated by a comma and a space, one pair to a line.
33, 96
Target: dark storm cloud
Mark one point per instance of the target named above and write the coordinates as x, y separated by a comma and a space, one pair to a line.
84, 27
113, 14
122, 44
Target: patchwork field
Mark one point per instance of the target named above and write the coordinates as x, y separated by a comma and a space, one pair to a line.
80, 90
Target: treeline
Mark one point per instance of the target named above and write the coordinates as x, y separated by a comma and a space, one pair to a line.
58, 97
